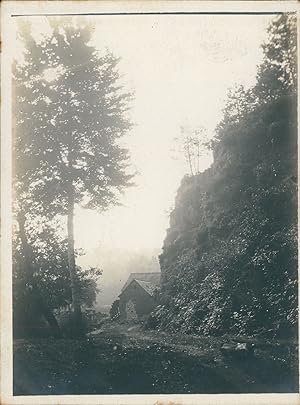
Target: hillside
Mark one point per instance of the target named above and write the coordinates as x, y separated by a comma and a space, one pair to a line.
229, 261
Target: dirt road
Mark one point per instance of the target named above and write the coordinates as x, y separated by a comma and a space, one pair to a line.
119, 359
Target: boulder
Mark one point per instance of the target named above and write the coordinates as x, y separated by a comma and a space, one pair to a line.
237, 349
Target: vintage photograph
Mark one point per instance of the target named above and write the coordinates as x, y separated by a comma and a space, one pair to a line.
154, 208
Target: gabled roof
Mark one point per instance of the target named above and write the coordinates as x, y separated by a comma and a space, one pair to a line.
152, 278
147, 286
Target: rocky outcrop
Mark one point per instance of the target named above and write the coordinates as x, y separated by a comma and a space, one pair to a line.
229, 260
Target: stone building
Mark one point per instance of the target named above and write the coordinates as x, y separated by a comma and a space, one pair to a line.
137, 297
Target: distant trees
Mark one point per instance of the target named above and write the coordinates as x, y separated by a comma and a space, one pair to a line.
70, 113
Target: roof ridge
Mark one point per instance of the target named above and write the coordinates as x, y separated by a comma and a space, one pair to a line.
152, 277
148, 272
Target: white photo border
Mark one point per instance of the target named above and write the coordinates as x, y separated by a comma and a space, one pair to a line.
10, 9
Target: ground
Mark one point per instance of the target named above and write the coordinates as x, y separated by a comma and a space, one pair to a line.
124, 359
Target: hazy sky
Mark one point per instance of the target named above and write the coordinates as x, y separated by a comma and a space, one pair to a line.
180, 68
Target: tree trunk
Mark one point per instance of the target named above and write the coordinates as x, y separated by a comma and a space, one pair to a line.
198, 156
190, 160
29, 268
45, 311
77, 321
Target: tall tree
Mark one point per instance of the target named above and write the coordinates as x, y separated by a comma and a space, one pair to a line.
277, 75
68, 133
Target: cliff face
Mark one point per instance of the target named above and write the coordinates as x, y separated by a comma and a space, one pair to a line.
229, 261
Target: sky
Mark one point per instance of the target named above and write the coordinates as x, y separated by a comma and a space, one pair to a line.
180, 68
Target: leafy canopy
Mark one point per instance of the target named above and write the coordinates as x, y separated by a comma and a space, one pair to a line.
71, 112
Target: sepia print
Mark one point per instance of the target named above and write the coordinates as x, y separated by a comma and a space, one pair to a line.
154, 202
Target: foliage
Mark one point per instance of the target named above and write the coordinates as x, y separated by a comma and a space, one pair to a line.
229, 262
278, 74
114, 310
51, 277
71, 112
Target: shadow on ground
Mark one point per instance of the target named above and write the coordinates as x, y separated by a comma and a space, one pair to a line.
123, 360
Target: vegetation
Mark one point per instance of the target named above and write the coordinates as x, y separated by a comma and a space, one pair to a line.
192, 144
70, 114
114, 311
229, 261
41, 281
126, 360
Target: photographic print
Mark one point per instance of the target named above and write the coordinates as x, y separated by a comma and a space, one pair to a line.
154, 201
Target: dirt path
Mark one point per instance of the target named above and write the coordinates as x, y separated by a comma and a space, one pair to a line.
119, 359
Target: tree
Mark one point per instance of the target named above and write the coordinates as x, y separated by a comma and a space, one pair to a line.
277, 75
193, 143
41, 280
26, 282
72, 116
